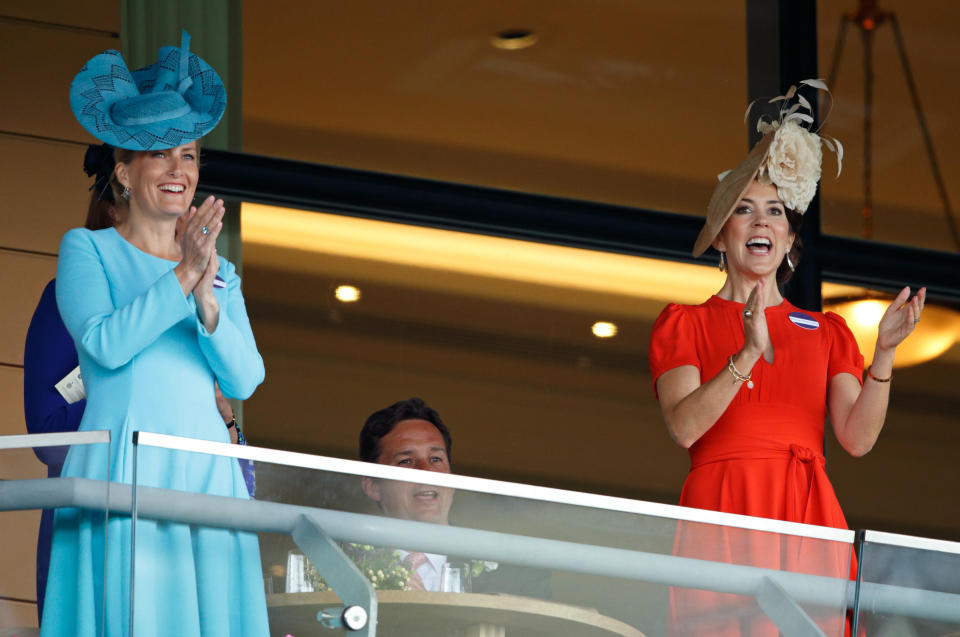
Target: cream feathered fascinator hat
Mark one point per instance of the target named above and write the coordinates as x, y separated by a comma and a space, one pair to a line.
788, 156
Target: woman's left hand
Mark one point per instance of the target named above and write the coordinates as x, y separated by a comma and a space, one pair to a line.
226, 411
900, 319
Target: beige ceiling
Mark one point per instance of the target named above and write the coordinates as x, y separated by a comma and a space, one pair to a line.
633, 102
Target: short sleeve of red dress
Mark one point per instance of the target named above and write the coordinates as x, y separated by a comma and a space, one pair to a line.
672, 342
845, 355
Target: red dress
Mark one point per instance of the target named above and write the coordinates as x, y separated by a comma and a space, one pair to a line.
763, 457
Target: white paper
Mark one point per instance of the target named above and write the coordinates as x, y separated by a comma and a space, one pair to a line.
71, 387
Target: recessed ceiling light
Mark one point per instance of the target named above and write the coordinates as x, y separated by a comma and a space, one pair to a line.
604, 329
347, 293
513, 39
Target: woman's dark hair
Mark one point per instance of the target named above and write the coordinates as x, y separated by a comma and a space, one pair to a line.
382, 422
796, 222
106, 205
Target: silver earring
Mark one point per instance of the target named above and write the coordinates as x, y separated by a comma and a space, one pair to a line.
790, 264
125, 194
723, 262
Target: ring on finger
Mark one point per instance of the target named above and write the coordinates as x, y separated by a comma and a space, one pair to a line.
747, 314
205, 230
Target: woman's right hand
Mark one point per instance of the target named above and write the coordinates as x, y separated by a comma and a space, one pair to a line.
756, 338
197, 247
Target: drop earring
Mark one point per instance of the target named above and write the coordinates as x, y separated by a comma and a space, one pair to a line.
790, 264
723, 262
125, 194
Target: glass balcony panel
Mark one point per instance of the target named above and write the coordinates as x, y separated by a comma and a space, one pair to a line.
505, 555
175, 563
909, 586
33, 505
923, 390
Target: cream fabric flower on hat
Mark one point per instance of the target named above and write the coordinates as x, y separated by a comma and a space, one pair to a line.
792, 164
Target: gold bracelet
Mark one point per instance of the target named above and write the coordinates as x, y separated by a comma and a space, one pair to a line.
878, 380
736, 374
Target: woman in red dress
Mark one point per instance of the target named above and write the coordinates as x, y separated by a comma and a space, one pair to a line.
745, 380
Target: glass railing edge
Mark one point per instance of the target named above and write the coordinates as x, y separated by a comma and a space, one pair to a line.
60, 439
494, 487
911, 541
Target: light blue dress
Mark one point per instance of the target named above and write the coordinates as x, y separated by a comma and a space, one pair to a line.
149, 364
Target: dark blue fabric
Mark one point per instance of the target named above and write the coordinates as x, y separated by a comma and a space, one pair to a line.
246, 466
48, 356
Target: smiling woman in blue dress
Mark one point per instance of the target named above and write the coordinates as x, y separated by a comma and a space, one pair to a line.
157, 319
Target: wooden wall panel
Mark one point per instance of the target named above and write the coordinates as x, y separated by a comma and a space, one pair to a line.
42, 45
18, 557
22, 278
46, 192
15, 463
91, 14
18, 615
38, 65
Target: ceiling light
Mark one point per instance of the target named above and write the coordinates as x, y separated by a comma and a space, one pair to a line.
937, 331
604, 329
514, 39
347, 293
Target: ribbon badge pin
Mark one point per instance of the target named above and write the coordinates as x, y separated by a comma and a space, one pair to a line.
804, 320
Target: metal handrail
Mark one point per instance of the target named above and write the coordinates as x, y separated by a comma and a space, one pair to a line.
272, 517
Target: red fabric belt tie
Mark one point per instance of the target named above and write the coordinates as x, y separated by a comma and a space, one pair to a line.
806, 480
808, 494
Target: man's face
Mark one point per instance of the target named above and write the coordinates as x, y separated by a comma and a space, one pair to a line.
419, 445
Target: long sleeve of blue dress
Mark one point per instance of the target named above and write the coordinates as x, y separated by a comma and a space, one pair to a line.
112, 334
231, 350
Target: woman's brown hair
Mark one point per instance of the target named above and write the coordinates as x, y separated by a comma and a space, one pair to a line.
106, 205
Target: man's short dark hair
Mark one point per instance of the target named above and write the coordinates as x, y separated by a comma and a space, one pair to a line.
382, 422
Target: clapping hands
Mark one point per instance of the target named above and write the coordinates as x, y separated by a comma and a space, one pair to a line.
197, 231
756, 337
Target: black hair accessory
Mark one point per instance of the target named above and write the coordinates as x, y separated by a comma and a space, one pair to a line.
98, 162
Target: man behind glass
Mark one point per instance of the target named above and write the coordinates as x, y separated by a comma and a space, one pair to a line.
410, 434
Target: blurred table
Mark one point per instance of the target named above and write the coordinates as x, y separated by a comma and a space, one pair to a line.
421, 614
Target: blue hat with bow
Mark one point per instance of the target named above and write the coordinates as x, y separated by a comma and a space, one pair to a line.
178, 99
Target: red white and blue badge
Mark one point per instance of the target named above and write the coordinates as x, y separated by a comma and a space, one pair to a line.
801, 319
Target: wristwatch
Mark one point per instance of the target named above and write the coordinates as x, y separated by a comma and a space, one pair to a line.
232, 423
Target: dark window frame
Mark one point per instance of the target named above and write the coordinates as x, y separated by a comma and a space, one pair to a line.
545, 219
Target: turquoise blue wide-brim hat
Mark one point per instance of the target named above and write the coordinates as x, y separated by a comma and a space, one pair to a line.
177, 100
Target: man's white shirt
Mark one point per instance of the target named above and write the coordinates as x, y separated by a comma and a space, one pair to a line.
429, 571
